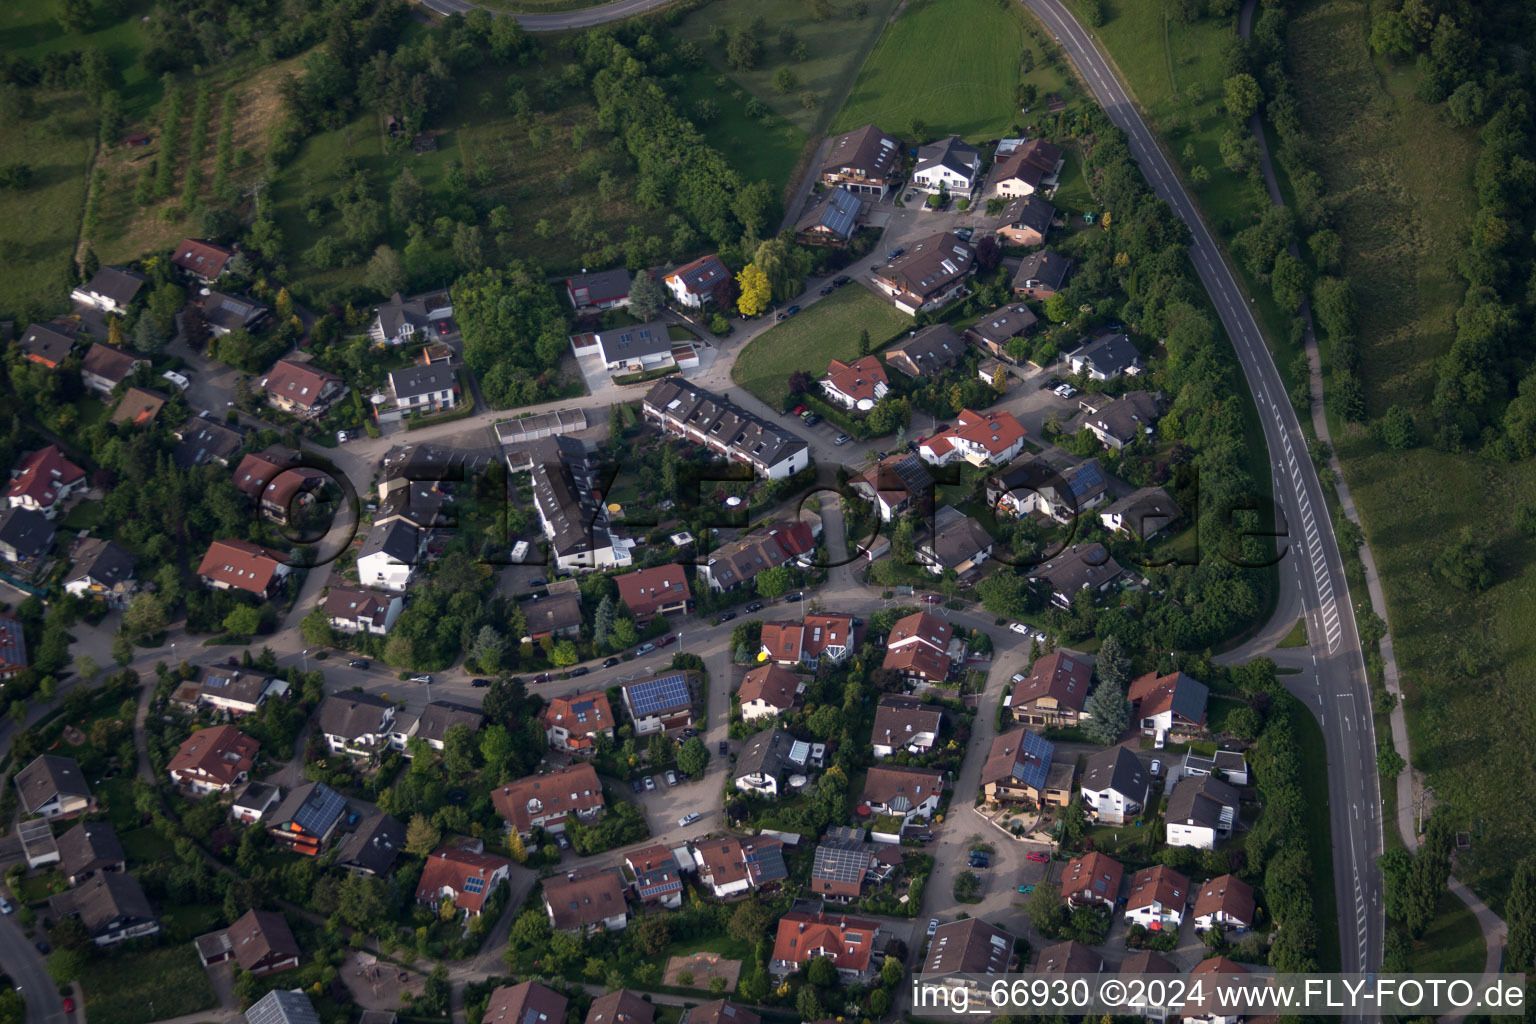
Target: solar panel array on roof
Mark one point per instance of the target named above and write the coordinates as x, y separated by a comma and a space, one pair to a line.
769, 864
1085, 478
840, 861
840, 212
320, 811
659, 694
1033, 760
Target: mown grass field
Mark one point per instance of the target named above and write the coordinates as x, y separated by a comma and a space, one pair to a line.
952, 66
834, 49
759, 150
1467, 661
827, 330
40, 224
153, 984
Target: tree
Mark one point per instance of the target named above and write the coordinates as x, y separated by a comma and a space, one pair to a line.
693, 758
1239, 153
145, 616
564, 654
421, 836
756, 291
645, 297
459, 749
744, 51
361, 901
1464, 563
749, 921
1058, 308
774, 582
785, 80
1111, 664
1243, 96
821, 972
1111, 714
1244, 722
1046, 910
808, 1005
1074, 824
1289, 281
385, 273
1391, 35
435, 993
315, 628
863, 342
1397, 429
244, 620
1520, 913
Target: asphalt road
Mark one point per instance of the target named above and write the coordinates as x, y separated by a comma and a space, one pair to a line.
28, 972
556, 22
1311, 568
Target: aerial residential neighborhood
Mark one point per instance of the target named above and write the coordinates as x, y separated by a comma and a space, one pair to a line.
664, 513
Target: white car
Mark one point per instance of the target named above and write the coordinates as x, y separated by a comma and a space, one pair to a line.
1020, 628
180, 380
1156, 766
687, 819
933, 925
5, 905
342, 437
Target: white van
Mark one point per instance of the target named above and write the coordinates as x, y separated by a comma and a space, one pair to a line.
519, 551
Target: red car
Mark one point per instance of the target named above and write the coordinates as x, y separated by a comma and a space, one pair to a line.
69, 1005
797, 410
1037, 857
932, 599
669, 638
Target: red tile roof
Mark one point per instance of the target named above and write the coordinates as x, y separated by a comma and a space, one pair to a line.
465, 872
202, 258
528, 1003
649, 589
995, 433
846, 941
1228, 895
559, 793
299, 383
772, 684
219, 754
917, 660
240, 564
582, 899
857, 379
1160, 884
583, 715
41, 474
790, 641
1094, 874
1062, 676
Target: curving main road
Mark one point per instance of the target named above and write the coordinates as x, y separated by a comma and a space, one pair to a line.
1311, 572
558, 22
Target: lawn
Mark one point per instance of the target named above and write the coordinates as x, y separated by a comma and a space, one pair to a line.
31, 29
1297, 637
827, 330
1314, 789
141, 986
759, 150
1466, 660
834, 49
143, 845
1453, 943
951, 66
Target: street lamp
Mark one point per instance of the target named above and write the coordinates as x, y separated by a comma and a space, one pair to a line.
305, 653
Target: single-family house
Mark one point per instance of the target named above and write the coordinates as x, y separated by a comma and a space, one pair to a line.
1070, 957
958, 542
719, 1012
906, 793
587, 900
865, 161
1052, 695
574, 721
847, 941
1212, 1002
420, 317
25, 535
1092, 880
546, 801
111, 289
737, 563
603, 289
102, 570
1026, 221
213, 760
995, 330
622, 1007
693, 284
1118, 422
1080, 567
48, 344
948, 166
283, 1006
253, 800
203, 262
761, 763
1115, 785
1157, 898
819, 635
202, 441
138, 407
844, 863
1231, 764
466, 877
528, 1003
725, 428
661, 590
301, 389
390, 554
767, 691
658, 876
43, 480
111, 906
52, 787
962, 953
373, 847
929, 274
1169, 704
902, 723
1201, 812
241, 565
1105, 357
633, 348
730, 865
662, 703
307, 818
235, 690
1041, 274
89, 849
1150, 1004
1021, 766
1141, 514
105, 367
260, 941
360, 610
1226, 902
223, 312
896, 484
918, 647
927, 353
422, 389
355, 722
1029, 168
856, 385
831, 219
989, 439
556, 615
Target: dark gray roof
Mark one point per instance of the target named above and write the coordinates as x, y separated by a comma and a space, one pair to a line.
1029, 212
971, 946
117, 283
351, 713
102, 561
602, 286
754, 440
1118, 769
415, 310
399, 540
1082, 565
1145, 512
930, 350
572, 517
765, 754
959, 540
837, 213
314, 807
282, 1006
422, 380
1199, 801
1043, 269
866, 151
49, 775
1004, 323
105, 898
29, 533
47, 341
952, 153
635, 341
1109, 354
437, 717
204, 441
89, 845
1125, 417
222, 309
420, 503
930, 265
374, 846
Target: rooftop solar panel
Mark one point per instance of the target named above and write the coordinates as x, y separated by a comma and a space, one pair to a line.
840, 861
1034, 760
1086, 478
659, 694
320, 811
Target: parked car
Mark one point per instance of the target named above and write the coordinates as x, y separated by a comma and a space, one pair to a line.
755, 606
687, 819
894, 253
342, 437
636, 785
1019, 628
1026, 889
841, 439
43, 947
1156, 767
479, 684
5, 904
933, 925
542, 677
671, 777
610, 662
727, 616
421, 679
1038, 857
69, 1005
667, 640
538, 581
964, 234
725, 748
923, 837
812, 419
179, 379
645, 648
980, 859
840, 280
828, 289
796, 596
932, 599
359, 663
561, 841
792, 310
650, 783
579, 671
798, 410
